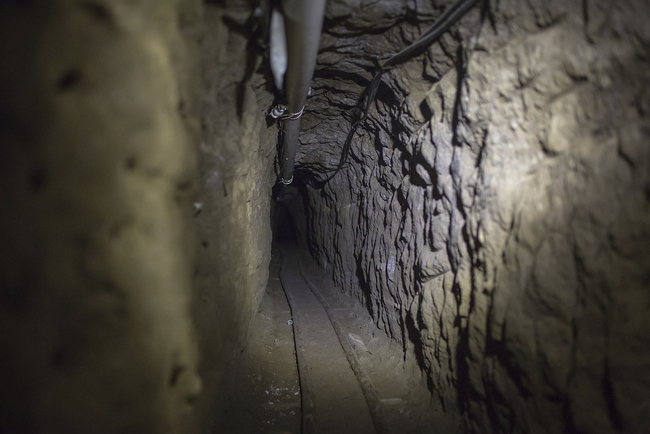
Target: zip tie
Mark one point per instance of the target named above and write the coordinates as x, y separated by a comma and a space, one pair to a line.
280, 112
277, 111
286, 182
292, 116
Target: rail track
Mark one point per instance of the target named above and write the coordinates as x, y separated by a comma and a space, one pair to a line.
337, 394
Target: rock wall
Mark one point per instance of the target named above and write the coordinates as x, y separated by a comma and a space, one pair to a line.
97, 167
114, 251
236, 156
495, 212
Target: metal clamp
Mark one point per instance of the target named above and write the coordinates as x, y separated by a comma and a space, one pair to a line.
285, 181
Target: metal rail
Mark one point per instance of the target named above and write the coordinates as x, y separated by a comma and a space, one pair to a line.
306, 396
292, 271
369, 392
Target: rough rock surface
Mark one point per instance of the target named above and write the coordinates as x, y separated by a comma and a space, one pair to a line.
495, 211
236, 156
96, 173
114, 251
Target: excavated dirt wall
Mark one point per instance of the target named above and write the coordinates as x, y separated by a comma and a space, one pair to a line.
494, 215
97, 165
127, 279
236, 155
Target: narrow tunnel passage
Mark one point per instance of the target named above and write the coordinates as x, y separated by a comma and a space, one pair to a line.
482, 251
337, 373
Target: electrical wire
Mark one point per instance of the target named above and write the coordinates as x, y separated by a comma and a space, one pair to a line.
453, 14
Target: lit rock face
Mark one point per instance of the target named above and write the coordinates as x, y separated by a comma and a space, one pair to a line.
96, 173
495, 210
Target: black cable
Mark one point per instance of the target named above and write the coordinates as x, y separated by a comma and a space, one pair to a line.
456, 12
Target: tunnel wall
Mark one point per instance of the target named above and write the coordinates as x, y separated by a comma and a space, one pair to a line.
236, 172
128, 277
97, 171
494, 215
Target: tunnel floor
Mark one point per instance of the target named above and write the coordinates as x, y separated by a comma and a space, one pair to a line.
319, 364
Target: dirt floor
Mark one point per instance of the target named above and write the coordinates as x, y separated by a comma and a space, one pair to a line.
268, 393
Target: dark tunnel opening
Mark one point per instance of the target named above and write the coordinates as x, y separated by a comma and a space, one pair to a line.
283, 210
335, 342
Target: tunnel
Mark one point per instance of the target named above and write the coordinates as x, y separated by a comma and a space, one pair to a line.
463, 249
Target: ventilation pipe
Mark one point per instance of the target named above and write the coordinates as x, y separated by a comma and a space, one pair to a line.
303, 20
